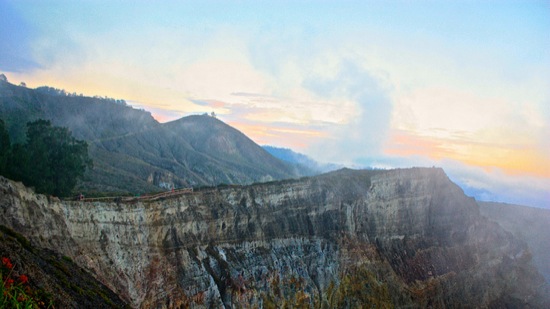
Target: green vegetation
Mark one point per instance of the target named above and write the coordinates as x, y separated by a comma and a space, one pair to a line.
32, 277
289, 293
4, 147
51, 161
16, 292
359, 288
24, 242
61, 92
132, 152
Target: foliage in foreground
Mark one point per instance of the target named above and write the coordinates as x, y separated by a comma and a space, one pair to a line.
15, 291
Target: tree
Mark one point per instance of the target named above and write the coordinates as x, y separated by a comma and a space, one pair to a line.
51, 161
18, 164
4, 148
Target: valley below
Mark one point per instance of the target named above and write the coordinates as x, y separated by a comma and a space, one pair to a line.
406, 238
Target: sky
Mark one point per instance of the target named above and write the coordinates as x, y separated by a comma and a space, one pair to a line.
463, 85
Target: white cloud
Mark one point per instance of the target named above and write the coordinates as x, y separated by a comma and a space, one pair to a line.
366, 130
485, 184
495, 185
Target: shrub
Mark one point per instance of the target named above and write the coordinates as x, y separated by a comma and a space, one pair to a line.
16, 292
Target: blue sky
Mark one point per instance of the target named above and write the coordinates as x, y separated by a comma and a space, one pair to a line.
463, 85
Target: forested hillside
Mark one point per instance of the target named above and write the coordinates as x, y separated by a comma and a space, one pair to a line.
132, 153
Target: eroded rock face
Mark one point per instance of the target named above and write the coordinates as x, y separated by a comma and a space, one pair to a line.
401, 238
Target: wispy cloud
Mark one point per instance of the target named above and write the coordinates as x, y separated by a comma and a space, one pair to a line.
366, 129
477, 130
483, 183
496, 185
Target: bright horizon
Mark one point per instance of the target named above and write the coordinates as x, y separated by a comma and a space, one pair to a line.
460, 85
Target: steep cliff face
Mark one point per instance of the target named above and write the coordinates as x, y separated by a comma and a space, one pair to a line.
400, 238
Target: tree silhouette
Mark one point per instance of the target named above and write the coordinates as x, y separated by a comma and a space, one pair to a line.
4, 148
51, 161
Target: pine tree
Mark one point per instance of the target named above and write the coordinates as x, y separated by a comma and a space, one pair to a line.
4, 148
51, 161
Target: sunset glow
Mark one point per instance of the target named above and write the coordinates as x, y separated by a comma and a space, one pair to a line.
512, 159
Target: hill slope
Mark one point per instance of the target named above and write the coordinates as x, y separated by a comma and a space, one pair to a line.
134, 153
58, 278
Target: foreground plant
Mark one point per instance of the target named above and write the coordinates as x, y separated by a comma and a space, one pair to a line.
15, 291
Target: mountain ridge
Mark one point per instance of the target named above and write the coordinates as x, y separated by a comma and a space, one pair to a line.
133, 153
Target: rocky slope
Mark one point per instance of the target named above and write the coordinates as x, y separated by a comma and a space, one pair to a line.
400, 238
53, 279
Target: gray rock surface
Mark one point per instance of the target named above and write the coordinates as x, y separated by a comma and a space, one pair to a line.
399, 238
526, 223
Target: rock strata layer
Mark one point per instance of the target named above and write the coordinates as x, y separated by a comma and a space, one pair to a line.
399, 238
